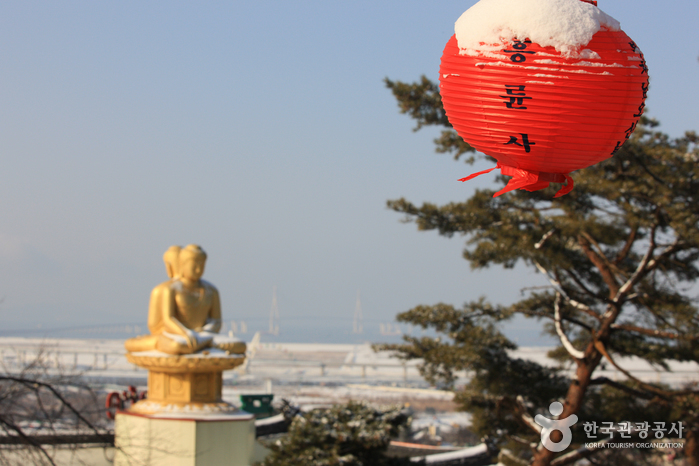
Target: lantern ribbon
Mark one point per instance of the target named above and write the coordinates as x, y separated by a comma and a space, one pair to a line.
527, 180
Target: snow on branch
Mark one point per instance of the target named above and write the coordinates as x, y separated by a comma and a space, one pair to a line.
526, 417
544, 238
575, 353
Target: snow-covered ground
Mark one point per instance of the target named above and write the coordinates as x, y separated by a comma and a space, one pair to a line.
307, 375
289, 364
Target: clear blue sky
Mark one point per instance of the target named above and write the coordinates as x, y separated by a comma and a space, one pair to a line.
260, 130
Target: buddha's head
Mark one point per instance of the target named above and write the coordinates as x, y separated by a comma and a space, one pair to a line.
192, 259
172, 261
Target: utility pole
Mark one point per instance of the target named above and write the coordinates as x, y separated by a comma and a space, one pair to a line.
274, 314
358, 324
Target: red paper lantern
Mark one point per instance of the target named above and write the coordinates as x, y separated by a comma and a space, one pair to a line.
540, 113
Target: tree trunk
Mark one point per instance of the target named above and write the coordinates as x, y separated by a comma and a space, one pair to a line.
573, 401
691, 447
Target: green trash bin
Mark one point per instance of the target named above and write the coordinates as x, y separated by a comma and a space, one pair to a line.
259, 405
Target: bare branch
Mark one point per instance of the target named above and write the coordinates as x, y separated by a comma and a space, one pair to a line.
27, 439
557, 285
64, 402
574, 353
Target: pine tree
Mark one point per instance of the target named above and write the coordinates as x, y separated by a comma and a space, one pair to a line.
351, 434
619, 256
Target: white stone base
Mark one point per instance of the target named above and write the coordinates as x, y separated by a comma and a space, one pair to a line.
196, 440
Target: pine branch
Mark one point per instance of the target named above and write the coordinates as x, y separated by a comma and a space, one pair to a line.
655, 333
641, 269
522, 441
589, 292
600, 252
543, 315
512, 458
580, 453
622, 387
585, 452
559, 288
660, 392
657, 314
627, 246
601, 263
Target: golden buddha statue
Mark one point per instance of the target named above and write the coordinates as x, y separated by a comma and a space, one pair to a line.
184, 354
184, 314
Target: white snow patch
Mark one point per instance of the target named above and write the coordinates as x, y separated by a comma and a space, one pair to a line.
446, 421
550, 62
613, 65
589, 54
606, 73
514, 65
489, 54
539, 75
547, 61
566, 25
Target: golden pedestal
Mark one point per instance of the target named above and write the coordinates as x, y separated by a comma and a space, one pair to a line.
184, 388
184, 421
189, 383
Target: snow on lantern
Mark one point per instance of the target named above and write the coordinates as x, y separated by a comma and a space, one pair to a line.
543, 86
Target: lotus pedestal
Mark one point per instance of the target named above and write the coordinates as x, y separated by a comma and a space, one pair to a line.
184, 421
